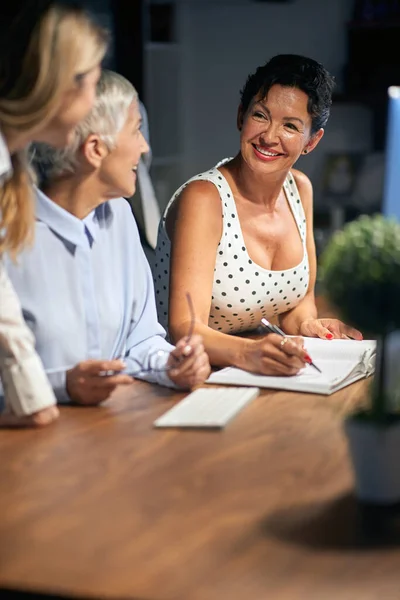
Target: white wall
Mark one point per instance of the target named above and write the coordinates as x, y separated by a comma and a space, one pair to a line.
222, 42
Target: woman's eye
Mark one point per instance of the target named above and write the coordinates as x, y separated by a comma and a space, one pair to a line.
259, 115
291, 126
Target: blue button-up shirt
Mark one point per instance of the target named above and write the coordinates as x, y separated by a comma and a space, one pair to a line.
86, 292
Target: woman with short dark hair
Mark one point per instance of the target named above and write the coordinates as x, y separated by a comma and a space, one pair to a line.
239, 237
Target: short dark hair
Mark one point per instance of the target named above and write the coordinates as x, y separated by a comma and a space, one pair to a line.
292, 70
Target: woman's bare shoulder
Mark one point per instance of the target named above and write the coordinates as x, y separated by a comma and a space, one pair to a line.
302, 180
304, 186
197, 203
199, 191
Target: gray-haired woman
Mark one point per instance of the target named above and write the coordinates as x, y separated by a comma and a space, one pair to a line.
92, 307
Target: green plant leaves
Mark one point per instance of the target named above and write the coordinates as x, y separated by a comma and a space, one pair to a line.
361, 273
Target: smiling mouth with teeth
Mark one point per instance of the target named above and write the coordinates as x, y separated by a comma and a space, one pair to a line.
265, 152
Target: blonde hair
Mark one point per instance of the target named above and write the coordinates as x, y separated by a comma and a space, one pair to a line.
64, 43
114, 96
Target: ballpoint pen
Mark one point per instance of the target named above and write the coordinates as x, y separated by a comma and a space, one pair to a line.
275, 329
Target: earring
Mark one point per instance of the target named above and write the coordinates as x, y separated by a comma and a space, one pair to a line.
305, 151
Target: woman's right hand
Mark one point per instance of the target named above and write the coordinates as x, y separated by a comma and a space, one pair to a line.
272, 355
90, 383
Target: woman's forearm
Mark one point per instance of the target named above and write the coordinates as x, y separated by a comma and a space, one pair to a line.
291, 321
223, 349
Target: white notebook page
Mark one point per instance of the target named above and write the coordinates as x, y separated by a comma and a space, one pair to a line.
341, 362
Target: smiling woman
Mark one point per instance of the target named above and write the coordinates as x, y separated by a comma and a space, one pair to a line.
239, 237
112, 131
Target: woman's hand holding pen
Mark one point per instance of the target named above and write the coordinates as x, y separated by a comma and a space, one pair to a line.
188, 362
329, 329
87, 385
274, 355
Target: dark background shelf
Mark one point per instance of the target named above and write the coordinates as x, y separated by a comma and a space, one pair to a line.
373, 65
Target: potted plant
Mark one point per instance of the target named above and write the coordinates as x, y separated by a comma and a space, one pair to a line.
361, 278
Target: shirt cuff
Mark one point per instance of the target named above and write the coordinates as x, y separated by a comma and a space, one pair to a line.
26, 387
160, 374
58, 381
154, 364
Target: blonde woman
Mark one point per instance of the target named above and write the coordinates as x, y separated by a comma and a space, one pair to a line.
92, 308
50, 55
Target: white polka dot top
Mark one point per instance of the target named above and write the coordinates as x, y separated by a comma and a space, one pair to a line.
243, 292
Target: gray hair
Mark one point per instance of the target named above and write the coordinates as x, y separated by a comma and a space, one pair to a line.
114, 95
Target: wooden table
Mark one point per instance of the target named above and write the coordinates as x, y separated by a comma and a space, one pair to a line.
103, 505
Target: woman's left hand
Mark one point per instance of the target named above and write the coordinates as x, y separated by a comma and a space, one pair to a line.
189, 363
329, 329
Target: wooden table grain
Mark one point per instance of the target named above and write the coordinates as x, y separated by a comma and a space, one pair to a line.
103, 505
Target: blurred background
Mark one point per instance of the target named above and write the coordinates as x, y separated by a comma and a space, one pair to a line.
189, 59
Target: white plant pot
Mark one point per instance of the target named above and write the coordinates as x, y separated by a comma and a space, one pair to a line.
375, 454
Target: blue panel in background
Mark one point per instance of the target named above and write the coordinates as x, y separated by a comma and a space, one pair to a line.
391, 194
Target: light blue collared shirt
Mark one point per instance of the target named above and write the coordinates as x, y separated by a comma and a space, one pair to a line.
87, 293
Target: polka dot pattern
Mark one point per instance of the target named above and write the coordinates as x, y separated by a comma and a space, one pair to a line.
243, 292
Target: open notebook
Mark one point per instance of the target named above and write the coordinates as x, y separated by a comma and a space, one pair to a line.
341, 361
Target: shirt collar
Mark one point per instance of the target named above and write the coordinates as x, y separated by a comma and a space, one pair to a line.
91, 223
5, 159
64, 224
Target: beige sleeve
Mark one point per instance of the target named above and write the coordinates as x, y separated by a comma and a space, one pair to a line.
25, 384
